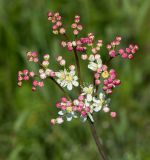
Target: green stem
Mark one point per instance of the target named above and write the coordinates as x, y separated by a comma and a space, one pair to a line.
97, 141
78, 66
60, 88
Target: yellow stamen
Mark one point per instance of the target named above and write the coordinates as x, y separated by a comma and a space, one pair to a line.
105, 74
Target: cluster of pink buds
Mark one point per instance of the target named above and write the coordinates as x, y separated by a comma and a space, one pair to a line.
76, 26
55, 18
128, 52
110, 80
36, 84
114, 43
61, 61
45, 62
32, 57
24, 76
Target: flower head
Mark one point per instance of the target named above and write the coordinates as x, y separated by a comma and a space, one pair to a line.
67, 78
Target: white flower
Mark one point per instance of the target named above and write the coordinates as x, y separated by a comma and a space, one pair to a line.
88, 91
59, 120
69, 113
42, 75
95, 65
99, 102
67, 79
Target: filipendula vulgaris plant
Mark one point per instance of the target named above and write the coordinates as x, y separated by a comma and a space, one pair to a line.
94, 97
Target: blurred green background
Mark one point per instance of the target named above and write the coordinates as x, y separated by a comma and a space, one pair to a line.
25, 133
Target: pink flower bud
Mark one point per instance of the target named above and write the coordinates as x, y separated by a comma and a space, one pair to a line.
112, 53
68, 104
108, 46
46, 56
59, 23
74, 25
59, 58
130, 56
106, 109
35, 83
121, 51
87, 109
110, 86
74, 108
110, 80
79, 27
54, 27
96, 75
113, 114
52, 74
105, 82
97, 81
117, 82
128, 50
62, 31
40, 84
75, 32
64, 99
20, 78
118, 38
63, 107
124, 55
33, 89
63, 44
58, 105
105, 88
81, 98
81, 104
84, 56
31, 74
109, 91
52, 121
83, 113
62, 62
104, 67
79, 109
70, 48
26, 78
25, 71
72, 67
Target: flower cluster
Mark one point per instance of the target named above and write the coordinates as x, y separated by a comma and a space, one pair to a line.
93, 97
57, 23
24, 75
110, 80
128, 53
83, 107
32, 57
76, 26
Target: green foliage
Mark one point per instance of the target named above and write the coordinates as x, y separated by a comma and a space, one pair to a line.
25, 133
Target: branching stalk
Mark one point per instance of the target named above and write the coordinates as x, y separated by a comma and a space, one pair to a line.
97, 141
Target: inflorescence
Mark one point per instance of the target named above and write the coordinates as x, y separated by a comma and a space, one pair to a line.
93, 97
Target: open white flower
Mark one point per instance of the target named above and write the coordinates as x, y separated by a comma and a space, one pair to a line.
99, 102
68, 113
94, 64
67, 79
88, 91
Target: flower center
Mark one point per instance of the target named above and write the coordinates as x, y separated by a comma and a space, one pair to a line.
105, 74
69, 78
69, 109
